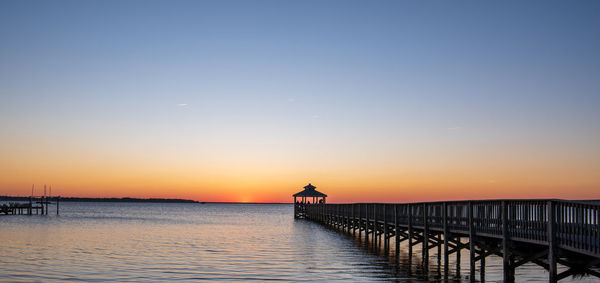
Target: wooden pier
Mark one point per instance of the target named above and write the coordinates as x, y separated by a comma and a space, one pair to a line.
36, 205
544, 232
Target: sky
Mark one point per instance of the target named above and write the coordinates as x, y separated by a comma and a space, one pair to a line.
248, 101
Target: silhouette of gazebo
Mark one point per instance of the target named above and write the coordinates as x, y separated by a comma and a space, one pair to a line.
305, 199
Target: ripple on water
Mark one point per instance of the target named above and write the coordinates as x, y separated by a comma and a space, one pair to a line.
98, 242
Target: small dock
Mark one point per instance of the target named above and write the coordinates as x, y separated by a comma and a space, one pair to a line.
37, 205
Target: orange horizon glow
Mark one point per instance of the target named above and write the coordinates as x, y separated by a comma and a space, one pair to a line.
400, 176
282, 191
380, 179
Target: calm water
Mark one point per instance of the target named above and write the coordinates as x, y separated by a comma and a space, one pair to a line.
169, 242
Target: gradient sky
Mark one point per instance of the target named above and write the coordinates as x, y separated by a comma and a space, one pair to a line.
387, 101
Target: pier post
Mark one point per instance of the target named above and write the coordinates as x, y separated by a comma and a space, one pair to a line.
348, 218
320, 212
446, 234
551, 229
337, 216
386, 242
353, 220
359, 218
458, 248
367, 223
328, 211
509, 272
57, 203
344, 218
458, 210
425, 250
375, 225
410, 231
439, 251
396, 231
471, 244
482, 265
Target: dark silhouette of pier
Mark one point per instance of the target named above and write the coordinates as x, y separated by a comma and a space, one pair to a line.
34, 205
546, 232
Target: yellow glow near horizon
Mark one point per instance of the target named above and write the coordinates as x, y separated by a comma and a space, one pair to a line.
254, 180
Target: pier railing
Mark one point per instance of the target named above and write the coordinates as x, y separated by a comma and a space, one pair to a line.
571, 225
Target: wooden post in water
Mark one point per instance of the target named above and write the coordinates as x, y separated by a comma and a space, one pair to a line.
348, 213
471, 244
446, 234
57, 202
347, 218
396, 230
295, 208
458, 248
439, 251
551, 229
458, 209
425, 250
481, 212
328, 214
509, 274
410, 231
353, 221
375, 225
367, 223
386, 243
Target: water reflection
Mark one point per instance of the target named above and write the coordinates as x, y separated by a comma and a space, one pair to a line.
166, 242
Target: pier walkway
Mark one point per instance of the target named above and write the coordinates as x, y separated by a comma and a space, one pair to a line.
544, 232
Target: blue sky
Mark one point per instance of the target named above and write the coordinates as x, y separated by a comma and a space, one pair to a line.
373, 79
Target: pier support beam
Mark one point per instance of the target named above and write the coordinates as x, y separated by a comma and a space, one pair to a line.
396, 231
410, 231
375, 225
552, 277
509, 271
446, 235
386, 243
471, 243
425, 250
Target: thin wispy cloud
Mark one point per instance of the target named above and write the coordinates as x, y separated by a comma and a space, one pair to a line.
454, 128
182, 104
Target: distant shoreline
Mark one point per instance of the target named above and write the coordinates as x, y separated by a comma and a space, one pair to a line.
125, 199
130, 199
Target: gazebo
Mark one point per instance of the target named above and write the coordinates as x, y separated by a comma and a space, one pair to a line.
305, 199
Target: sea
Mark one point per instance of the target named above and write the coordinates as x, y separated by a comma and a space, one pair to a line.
148, 242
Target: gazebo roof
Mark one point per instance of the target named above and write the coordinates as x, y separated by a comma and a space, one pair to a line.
309, 191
